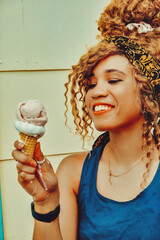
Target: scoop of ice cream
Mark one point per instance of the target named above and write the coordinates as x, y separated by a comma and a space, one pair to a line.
31, 118
33, 112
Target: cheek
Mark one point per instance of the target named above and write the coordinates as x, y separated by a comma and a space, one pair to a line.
137, 100
133, 104
134, 96
130, 102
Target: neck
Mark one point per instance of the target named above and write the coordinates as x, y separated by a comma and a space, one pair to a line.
125, 145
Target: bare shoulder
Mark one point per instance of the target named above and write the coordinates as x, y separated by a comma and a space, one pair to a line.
73, 160
69, 170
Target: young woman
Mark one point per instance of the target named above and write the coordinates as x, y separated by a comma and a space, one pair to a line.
112, 192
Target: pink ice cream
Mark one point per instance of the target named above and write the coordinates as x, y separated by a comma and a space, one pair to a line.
31, 118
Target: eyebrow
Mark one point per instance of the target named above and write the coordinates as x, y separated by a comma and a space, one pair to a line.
114, 70
109, 71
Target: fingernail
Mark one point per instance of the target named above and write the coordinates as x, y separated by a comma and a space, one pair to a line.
21, 145
33, 163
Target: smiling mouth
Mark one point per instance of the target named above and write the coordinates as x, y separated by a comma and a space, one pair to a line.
101, 108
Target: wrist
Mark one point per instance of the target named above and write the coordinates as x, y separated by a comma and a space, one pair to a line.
45, 217
48, 204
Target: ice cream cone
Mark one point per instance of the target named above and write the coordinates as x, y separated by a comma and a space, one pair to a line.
31, 118
30, 143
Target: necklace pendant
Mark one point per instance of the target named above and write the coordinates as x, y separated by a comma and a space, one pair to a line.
110, 175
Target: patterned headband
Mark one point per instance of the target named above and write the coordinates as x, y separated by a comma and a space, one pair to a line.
147, 65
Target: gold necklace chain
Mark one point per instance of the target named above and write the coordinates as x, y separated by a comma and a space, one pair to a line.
118, 175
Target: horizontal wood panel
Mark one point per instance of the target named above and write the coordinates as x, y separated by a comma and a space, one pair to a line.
46, 34
48, 87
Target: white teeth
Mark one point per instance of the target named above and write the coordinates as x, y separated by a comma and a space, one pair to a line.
101, 108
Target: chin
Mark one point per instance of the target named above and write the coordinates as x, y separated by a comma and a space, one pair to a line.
103, 128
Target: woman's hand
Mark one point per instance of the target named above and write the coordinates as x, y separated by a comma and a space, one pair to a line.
39, 180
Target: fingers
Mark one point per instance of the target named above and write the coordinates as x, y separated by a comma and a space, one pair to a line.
23, 158
25, 177
38, 155
19, 156
24, 168
19, 145
40, 158
25, 173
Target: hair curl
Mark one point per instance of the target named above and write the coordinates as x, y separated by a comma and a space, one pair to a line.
113, 22
78, 83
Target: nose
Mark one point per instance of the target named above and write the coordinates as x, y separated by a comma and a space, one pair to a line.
100, 91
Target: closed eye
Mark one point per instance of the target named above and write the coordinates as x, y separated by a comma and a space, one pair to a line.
113, 81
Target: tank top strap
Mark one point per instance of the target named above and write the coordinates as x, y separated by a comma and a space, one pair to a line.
90, 166
89, 175
102, 140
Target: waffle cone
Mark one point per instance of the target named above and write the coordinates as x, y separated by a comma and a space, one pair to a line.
30, 143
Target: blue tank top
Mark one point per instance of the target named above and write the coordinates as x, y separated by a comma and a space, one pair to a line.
101, 218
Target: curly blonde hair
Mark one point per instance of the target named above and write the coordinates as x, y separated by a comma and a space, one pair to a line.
113, 22
78, 83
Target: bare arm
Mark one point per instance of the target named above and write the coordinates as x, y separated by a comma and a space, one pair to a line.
65, 226
68, 174
47, 231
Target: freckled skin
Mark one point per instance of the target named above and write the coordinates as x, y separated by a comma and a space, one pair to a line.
113, 83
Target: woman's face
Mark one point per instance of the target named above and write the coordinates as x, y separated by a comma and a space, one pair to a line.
113, 100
